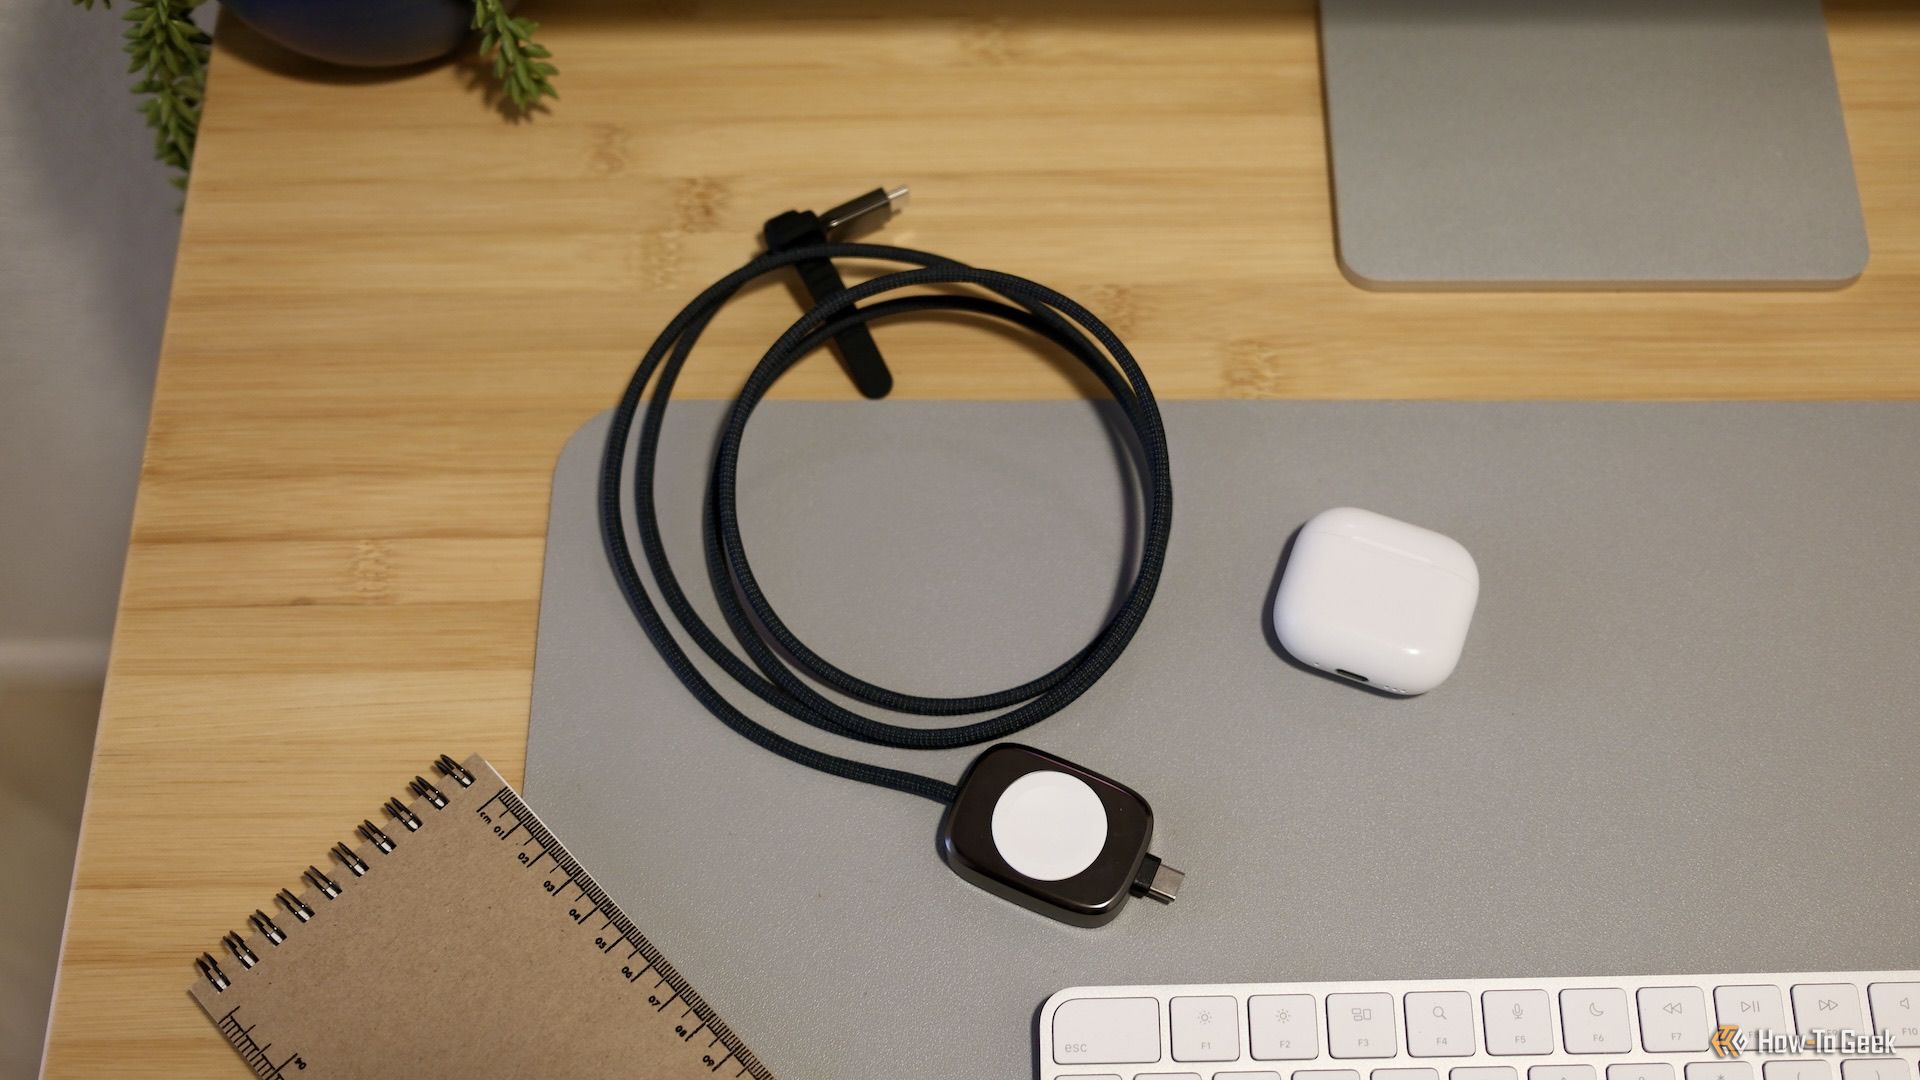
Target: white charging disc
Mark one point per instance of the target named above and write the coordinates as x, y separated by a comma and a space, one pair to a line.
1049, 825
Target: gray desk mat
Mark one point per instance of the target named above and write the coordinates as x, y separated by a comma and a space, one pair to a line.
1682, 739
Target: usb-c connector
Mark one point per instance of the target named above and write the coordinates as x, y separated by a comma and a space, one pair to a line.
865, 212
1157, 881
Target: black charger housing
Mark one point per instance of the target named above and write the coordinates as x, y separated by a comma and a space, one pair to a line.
1092, 897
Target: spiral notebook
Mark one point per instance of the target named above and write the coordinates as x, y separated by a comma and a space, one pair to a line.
458, 938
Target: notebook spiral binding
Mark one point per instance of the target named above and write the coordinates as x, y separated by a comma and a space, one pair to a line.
237, 945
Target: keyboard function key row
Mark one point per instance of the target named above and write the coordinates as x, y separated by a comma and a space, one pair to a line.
1852, 1069
1440, 1023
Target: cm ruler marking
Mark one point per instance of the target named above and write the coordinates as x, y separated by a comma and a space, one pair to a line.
255, 1054
541, 855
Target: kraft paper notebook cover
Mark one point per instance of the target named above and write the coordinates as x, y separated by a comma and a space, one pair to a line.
457, 938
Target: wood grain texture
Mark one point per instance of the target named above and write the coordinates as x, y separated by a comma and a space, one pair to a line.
392, 307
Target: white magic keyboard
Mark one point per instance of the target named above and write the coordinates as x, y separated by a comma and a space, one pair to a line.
1864, 1025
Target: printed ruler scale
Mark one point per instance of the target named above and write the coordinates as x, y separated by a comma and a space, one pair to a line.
252, 1052
618, 937
460, 939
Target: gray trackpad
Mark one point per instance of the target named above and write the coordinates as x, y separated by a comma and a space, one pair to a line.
1561, 143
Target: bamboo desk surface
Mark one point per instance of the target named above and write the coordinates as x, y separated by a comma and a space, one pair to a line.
391, 308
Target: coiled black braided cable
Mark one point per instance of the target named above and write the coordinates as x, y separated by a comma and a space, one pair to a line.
746, 609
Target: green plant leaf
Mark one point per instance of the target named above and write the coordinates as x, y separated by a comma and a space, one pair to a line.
506, 40
168, 54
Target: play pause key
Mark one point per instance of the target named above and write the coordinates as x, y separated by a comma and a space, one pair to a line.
1751, 1008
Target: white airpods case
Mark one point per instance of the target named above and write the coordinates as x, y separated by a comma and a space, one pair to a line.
1376, 600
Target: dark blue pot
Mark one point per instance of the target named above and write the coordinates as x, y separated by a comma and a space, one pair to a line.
361, 33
